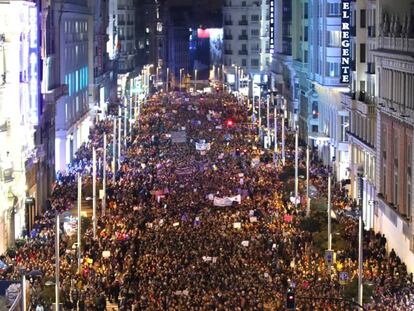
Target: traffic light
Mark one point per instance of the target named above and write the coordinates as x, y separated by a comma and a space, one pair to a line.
229, 122
290, 300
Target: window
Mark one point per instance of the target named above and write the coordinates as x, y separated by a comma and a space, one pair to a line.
244, 62
77, 81
305, 34
255, 62
332, 69
255, 32
255, 18
305, 56
363, 18
305, 10
362, 52
334, 38
243, 3
334, 9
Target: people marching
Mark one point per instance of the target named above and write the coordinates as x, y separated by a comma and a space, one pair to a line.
206, 226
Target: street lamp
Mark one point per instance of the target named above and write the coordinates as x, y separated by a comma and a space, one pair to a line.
24, 274
360, 173
195, 80
316, 137
296, 164
181, 71
168, 76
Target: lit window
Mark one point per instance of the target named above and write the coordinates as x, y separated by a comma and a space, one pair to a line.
77, 81
147, 29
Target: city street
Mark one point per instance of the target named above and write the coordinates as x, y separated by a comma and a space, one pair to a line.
201, 218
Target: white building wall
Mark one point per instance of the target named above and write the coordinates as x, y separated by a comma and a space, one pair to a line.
18, 112
251, 55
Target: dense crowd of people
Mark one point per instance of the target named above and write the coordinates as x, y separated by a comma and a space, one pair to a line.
207, 229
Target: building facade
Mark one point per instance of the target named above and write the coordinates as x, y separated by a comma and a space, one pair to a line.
74, 23
101, 76
246, 27
394, 66
360, 103
20, 108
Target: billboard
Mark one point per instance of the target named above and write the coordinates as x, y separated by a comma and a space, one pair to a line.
206, 50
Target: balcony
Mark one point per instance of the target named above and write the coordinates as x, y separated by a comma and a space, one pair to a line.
371, 32
228, 37
243, 52
228, 52
228, 23
243, 37
396, 44
371, 68
243, 23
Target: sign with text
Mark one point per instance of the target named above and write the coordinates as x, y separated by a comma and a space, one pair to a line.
345, 41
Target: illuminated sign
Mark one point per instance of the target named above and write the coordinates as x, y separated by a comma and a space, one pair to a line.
272, 27
32, 56
345, 42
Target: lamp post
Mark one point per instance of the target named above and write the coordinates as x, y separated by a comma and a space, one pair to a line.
119, 136
79, 218
268, 120
57, 262
114, 151
168, 78
307, 180
296, 165
320, 138
181, 74
283, 133
222, 76
360, 235
94, 191
195, 80
104, 176
329, 211
275, 132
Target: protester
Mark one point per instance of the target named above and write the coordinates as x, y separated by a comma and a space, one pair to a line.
207, 229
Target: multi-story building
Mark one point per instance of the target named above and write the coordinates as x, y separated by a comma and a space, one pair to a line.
73, 20
121, 31
178, 35
394, 67
306, 70
20, 108
246, 40
360, 103
283, 73
151, 33
101, 75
